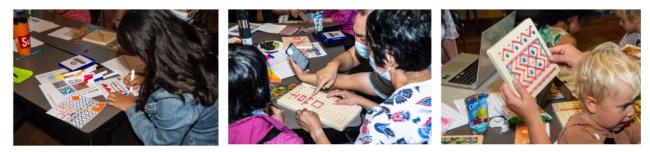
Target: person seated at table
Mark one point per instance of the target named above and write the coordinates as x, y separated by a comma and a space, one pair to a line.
558, 26
82, 16
251, 116
344, 18
400, 44
630, 20
177, 102
370, 83
607, 83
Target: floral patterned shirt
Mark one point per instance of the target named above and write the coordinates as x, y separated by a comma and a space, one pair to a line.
403, 118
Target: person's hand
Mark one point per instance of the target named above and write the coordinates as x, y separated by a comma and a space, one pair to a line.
347, 97
308, 120
524, 104
136, 83
120, 101
325, 77
277, 113
566, 55
300, 73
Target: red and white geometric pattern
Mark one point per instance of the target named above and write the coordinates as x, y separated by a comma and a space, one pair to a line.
524, 57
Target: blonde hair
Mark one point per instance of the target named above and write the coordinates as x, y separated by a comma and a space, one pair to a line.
628, 14
599, 73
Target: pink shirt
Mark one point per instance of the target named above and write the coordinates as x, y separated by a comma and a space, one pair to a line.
345, 18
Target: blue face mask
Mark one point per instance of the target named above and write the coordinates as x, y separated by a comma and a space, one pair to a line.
361, 49
385, 74
180, 14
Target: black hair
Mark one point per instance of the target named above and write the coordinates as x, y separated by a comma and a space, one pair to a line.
403, 34
551, 17
248, 82
178, 57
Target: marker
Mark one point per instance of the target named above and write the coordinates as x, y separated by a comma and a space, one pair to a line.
132, 78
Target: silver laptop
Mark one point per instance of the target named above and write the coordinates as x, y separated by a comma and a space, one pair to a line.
471, 70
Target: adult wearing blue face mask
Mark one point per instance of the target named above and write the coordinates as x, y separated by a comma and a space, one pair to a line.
400, 51
370, 83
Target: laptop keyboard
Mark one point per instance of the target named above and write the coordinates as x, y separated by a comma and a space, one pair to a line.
467, 76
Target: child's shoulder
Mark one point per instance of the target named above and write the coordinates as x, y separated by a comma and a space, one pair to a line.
578, 130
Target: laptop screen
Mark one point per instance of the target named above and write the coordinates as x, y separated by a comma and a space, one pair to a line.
488, 38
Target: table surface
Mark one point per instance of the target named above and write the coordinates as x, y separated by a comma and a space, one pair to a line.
56, 50
492, 135
315, 64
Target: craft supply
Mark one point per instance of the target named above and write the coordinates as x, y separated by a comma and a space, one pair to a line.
332, 115
522, 55
21, 75
302, 43
332, 36
273, 78
77, 63
34, 53
132, 79
68, 33
76, 110
499, 122
100, 37
478, 112
317, 51
462, 139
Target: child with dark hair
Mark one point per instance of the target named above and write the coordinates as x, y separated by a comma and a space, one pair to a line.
557, 26
251, 116
178, 90
400, 44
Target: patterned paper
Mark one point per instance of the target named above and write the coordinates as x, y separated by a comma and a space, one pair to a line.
77, 110
523, 55
335, 116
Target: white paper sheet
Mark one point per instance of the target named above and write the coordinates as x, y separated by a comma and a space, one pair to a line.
272, 28
280, 65
40, 25
117, 65
456, 119
49, 77
62, 33
51, 94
